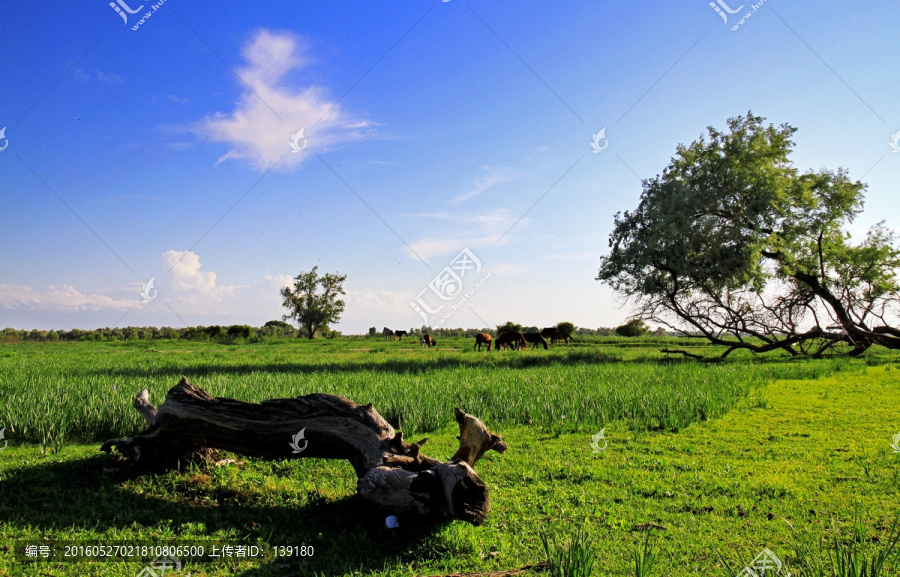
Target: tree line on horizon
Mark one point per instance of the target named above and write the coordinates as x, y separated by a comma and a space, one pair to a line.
280, 330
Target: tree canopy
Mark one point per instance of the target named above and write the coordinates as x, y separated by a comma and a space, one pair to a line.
509, 327
566, 328
313, 300
733, 243
633, 328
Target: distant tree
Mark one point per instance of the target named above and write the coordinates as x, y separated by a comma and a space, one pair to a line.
373, 331
313, 300
168, 333
215, 331
240, 332
509, 327
733, 243
279, 324
633, 328
566, 328
532, 330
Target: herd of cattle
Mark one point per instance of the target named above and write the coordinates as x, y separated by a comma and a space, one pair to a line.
507, 340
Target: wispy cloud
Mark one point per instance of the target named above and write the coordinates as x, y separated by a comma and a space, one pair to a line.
174, 98
108, 77
473, 231
269, 112
57, 298
492, 178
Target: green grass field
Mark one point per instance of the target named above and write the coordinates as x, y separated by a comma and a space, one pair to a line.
720, 458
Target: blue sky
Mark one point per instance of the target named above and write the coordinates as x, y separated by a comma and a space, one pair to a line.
429, 127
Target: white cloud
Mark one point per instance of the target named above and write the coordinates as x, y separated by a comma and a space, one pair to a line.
480, 230
281, 280
57, 298
379, 308
432, 247
103, 77
493, 177
262, 137
187, 289
81, 76
379, 300
185, 276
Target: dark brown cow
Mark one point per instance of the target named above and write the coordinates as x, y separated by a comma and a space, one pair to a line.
547, 333
483, 339
427, 341
400, 335
536, 339
514, 340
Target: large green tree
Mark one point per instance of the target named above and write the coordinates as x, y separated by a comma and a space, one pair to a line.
734, 244
313, 300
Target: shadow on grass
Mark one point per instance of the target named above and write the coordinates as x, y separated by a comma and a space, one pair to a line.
416, 365
76, 498
425, 364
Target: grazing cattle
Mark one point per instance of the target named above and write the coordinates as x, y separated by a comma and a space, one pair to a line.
387, 333
514, 340
548, 332
483, 339
536, 339
400, 334
558, 336
427, 341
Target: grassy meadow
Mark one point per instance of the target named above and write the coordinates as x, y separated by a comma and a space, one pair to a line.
712, 461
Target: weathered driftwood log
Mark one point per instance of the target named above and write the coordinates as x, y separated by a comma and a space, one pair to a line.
391, 473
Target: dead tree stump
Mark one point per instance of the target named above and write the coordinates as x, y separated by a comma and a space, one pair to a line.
391, 473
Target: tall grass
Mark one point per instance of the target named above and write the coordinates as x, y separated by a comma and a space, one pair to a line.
83, 391
850, 555
574, 557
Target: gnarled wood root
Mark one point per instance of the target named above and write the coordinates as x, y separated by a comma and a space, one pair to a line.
391, 473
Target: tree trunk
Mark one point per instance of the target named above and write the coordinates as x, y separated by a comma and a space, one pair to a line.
391, 473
